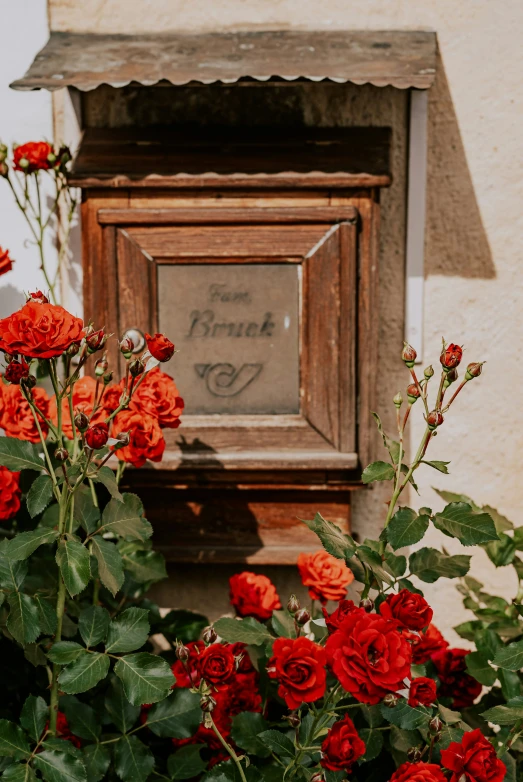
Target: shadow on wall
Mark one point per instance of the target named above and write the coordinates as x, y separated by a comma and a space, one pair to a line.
456, 242
11, 299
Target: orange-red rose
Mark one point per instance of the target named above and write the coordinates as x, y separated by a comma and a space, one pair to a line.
146, 441
253, 595
326, 576
161, 348
419, 772
39, 331
422, 692
369, 656
409, 609
6, 262
83, 401
10, 493
299, 666
426, 644
158, 395
455, 682
473, 760
17, 418
35, 153
342, 746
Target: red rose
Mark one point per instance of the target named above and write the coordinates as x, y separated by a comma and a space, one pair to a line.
342, 746
216, 664
422, 692
451, 356
299, 666
6, 263
253, 595
409, 609
111, 397
95, 340
17, 418
63, 731
426, 644
326, 576
146, 438
243, 695
418, 772
334, 620
455, 682
39, 331
15, 371
158, 395
84, 391
10, 493
161, 348
38, 297
188, 674
243, 665
34, 154
369, 656
97, 435
474, 760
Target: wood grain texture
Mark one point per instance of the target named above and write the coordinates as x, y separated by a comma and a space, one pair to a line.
226, 214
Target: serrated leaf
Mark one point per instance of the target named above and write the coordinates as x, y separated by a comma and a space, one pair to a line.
406, 528
183, 625
397, 564
510, 657
146, 677
23, 621
133, 761
450, 496
333, 539
65, 652
73, 560
19, 772
459, 520
122, 713
278, 742
12, 572
39, 495
85, 511
125, 519
61, 745
245, 732
96, 761
501, 552
35, 655
129, 631
511, 684
23, 545
429, 564
60, 767
93, 625
478, 667
13, 741
81, 675
107, 478
283, 624
505, 714
19, 455
34, 715
248, 631
374, 563
186, 763
373, 740
145, 566
177, 716
405, 716
440, 466
82, 718
378, 471
391, 445
110, 566
46, 614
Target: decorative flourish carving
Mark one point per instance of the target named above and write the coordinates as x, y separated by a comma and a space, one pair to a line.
225, 379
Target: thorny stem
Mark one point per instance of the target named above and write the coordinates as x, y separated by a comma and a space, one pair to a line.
418, 386
60, 608
228, 748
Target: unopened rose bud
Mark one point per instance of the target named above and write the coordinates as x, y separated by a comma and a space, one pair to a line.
127, 347
293, 605
398, 400
367, 604
124, 438
451, 356
23, 163
390, 700
412, 393
293, 719
450, 377
209, 635
136, 367
81, 421
95, 340
429, 372
435, 725
414, 755
28, 382
73, 349
182, 652
4, 169
207, 703
108, 378
317, 777
61, 455
37, 297
51, 158
474, 370
409, 355
97, 435
101, 367
434, 419
3, 152
301, 617
161, 348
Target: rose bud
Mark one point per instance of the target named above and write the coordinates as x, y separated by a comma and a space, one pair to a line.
4, 169
37, 298
81, 421
108, 377
367, 604
3, 152
429, 372
412, 393
414, 755
390, 700
398, 400
73, 349
317, 777
435, 725
136, 367
161, 348
96, 340
101, 367
293, 719
302, 616
182, 652
124, 438
207, 703
127, 347
17, 371
434, 419
61, 454
450, 377
97, 435
209, 635
473, 370
293, 605
409, 355
28, 382
451, 356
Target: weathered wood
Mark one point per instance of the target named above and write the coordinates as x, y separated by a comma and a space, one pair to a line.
210, 215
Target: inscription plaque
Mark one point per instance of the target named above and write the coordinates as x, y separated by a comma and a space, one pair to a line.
237, 329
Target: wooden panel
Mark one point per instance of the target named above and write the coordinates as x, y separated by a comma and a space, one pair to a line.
160, 198
205, 216
347, 337
136, 285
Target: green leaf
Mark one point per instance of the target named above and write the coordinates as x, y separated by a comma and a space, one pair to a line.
510, 657
122, 713
23, 545
397, 564
61, 745
13, 741
106, 477
82, 674
429, 564
110, 566
374, 562
35, 714
505, 714
378, 471
501, 552
19, 455
46, 614
183, 625
129, 631
283, 624
511, 685
450, 496
65, 652
245, 732
146, 677
12, 573
60, 767
177, 716
73, 560
126, 519
478, 667
459, 520
133, 761
278, 742
403, 740
373, 740
93, 625
501, 522
19, 772
333, 539
39, 495
85, 511
145, 566
406, 528
96, 761
405, 716
82, 718
391, 445
186, 763
441, 466
23, 621
248, 631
